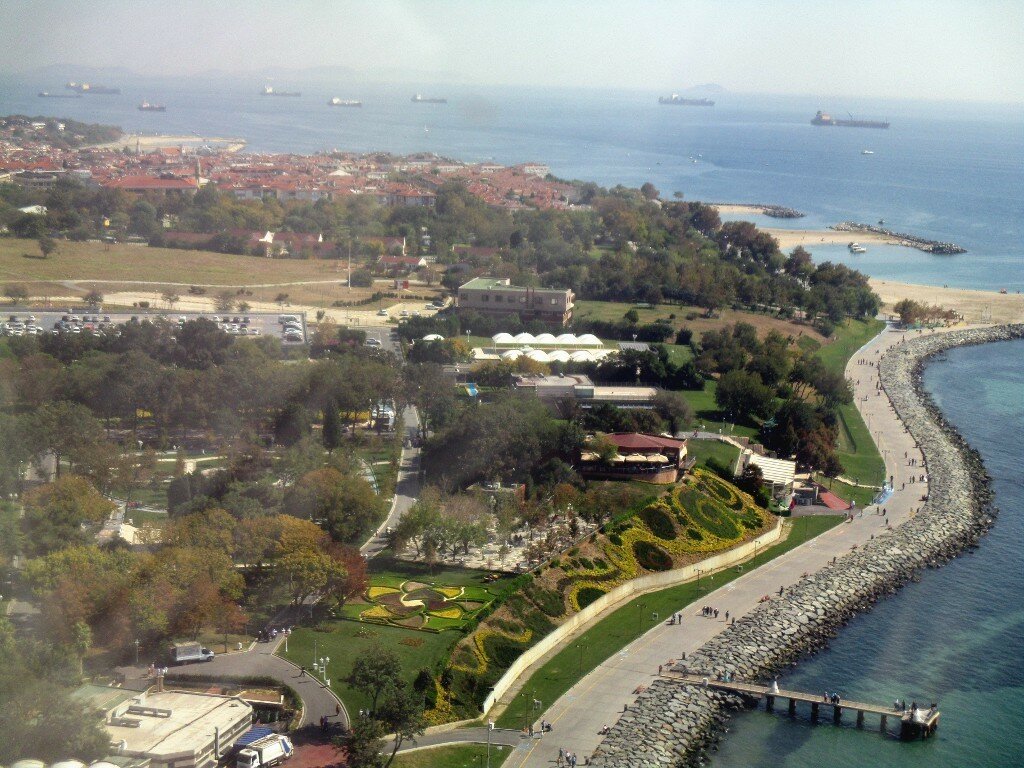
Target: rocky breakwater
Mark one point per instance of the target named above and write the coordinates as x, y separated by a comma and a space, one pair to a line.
673, 724
899, 238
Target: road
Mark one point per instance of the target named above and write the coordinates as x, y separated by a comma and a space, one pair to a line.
598, 698
407, 486
317, 700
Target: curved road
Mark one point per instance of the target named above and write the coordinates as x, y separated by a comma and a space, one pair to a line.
317, 700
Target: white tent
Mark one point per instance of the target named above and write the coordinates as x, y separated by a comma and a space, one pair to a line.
502, 338
544, 338
538, 356
567, 340
589, 340
512, 354
433, 337
523, 338
581, 356
558, 356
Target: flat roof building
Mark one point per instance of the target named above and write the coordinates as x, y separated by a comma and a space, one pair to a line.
178, 729
496, 296
584, 392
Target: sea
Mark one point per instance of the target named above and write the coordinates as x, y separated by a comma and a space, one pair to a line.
945, 171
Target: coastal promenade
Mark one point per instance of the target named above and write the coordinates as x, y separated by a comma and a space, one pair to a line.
599, 698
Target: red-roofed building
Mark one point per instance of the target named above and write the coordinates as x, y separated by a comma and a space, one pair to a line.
401, 263
651, 458
162, 184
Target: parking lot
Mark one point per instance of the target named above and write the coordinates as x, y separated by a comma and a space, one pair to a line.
290, 327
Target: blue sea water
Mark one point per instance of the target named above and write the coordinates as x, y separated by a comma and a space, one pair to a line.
943, 171
956, 637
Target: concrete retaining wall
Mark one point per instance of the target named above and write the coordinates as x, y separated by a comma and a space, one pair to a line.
622, 593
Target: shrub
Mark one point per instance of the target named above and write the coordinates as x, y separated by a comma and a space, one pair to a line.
586, 564
615, 539
574, 551
599, 564
694, 534
651, 556
549, 601
587, 595
659, 522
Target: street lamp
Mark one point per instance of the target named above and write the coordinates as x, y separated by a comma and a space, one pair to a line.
490, 727
579, 647
640, 624
136, 652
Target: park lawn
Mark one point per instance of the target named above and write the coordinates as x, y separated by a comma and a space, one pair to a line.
135, 263
694, 318
348, 640
391, 572
678, 354
585, 652
452, 756
863, 496
702, 450
709, 417
857, 451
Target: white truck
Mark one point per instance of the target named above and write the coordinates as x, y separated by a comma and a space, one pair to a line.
186, 653
270, 750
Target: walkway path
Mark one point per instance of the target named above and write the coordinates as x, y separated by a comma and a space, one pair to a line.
508, 737
598, 698
407, 486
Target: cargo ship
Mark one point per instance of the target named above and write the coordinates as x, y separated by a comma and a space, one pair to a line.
147, 107
48, 95
99, 90
336, 102
678, 100
268, 90
824, 118
417, 99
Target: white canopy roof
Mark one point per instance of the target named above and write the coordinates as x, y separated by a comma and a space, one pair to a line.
433, 337
502, 338
512, 354
539, 356
523, 338
558, 356
544, 338
589, 340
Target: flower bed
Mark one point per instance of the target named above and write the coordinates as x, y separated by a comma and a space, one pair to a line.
418, 605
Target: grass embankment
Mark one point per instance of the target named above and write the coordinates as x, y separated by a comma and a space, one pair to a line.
857, 451
585, 652
709, 417
453, 756
703, 450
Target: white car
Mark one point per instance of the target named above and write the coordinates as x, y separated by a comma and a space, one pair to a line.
382, 313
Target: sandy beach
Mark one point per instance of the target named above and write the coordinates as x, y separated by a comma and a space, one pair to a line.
791, 238
975, 306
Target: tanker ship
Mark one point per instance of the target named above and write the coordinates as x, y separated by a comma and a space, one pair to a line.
824, 118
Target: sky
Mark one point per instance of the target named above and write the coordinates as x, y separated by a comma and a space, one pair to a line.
922, 49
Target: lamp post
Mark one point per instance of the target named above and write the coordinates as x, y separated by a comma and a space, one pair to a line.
640, 623
490, 727
136, 652
579, 656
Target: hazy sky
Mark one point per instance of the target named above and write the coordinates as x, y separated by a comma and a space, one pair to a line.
931, 49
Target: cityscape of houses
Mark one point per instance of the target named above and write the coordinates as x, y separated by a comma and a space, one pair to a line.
29, 158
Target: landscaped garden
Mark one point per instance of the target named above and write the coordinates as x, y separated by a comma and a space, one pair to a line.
702, 515
432, 606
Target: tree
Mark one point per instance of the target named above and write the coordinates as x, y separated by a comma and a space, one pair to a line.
56, 512
332, 426
93, 298
909, 311
632, 316
243, 306
224, 301
170, 298
401, 712
47, 245
16, 292
376, 672
345, 504
742, 394
673, 408
363, 743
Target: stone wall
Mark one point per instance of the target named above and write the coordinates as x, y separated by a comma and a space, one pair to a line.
672, 724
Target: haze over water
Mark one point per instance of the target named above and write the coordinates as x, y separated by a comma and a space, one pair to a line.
942, 171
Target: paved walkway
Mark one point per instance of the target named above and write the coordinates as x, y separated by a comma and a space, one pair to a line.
598, 698
407, 486
507, 737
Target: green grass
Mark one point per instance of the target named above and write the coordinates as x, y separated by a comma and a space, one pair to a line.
702, 450
679, 353
348, 640
708, 416
621, 627
863, 496
452, 756
857, 451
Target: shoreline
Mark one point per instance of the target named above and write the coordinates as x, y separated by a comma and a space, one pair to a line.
673, 724
152, 142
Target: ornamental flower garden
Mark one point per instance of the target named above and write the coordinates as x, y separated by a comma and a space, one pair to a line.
701, 515
419, 605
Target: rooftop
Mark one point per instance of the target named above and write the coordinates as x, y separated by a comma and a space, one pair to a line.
634, 441
181, 722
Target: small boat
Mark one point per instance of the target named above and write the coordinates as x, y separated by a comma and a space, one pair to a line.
336, 102
857, 248
867, 152
881, 222
147, 107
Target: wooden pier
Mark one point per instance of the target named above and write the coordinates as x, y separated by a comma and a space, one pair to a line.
921, 726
